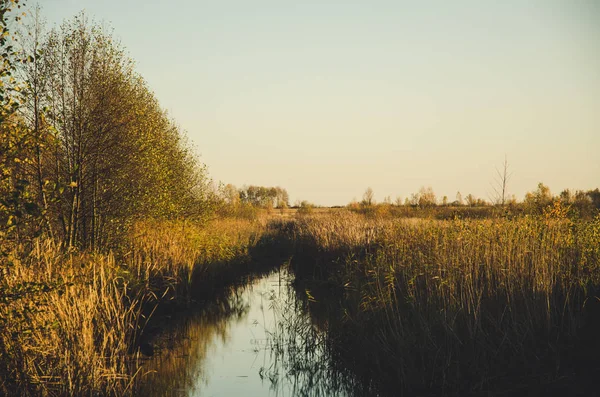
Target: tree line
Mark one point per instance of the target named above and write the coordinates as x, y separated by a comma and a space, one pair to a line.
85, 147
582, 202
257, 196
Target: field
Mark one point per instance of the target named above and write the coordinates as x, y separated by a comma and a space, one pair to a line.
409, 305
112, 228
462, 306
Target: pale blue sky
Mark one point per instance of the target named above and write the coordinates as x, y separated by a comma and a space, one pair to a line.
327, 98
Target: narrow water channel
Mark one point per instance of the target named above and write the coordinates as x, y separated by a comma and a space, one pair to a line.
258, 340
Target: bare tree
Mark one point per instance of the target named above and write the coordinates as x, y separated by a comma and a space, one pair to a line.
500, 183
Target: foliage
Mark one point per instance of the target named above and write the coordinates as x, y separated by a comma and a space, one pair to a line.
539, 198
18, 209
85, 153
305, 208
260, 196
90, 149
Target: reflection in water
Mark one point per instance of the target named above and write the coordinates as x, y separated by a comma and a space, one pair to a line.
257, 341
179, 368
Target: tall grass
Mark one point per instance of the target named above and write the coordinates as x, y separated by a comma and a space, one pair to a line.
459, 306
69, 321
66, 323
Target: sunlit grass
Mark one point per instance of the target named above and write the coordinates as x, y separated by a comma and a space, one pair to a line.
457, 304
69, 321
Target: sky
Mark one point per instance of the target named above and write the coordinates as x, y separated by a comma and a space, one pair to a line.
327, 98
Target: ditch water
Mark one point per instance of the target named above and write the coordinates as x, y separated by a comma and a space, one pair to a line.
256, 340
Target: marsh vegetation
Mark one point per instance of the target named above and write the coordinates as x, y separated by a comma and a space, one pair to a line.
122, 265
462, 306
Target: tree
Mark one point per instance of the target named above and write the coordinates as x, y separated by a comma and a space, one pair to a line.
459, 199
305, 207
18, 209
594, 195
368, 197
541, 196
427, 197
283, 199
102, 152
266, 197
538, 199
500, 183
414, 199
566, 196
231, 195
471, 200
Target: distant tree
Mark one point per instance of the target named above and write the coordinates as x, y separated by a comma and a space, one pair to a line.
387, 200
231, 195
582, 198
459, 199
566, 196
536, 201
282, 204
398, 201
305, 207
414, 199
283, 200
427, 197
266, 197
595, 197
368, 197
539, 198
471, 200
500, 184
445, 201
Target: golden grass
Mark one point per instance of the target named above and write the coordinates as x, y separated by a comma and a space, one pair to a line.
445, 303
68, 320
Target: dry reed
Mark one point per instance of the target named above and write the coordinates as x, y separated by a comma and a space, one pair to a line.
462, 304
68, 320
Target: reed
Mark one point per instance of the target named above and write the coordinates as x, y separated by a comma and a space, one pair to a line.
462, 306
70, 321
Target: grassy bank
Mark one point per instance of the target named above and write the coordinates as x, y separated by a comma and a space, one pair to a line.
70, 321
460, 306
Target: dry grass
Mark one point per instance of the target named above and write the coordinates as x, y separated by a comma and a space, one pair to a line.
66, 328
68, 321
459, 304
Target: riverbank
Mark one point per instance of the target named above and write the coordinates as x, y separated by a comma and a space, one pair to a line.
461, 307
71, 322
454, 307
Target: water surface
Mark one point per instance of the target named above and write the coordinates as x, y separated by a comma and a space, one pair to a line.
257, 340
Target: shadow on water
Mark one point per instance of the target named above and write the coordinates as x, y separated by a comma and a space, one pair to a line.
362, 350
278, 335
256, 339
